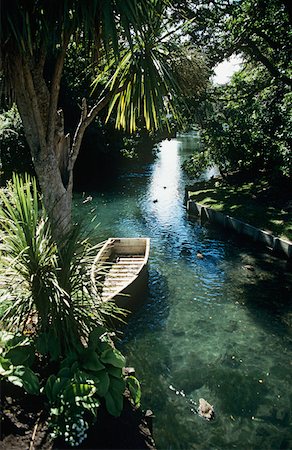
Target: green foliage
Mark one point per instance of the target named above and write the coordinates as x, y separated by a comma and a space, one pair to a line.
197, 163
250, 127
135, 390
87, 376
16, 358
14, 149
51, 287
246, 125
129, 44
258, 30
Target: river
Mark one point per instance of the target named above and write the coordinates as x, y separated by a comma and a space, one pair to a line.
208, 328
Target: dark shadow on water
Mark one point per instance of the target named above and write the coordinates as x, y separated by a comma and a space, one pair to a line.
152, 315
264, 279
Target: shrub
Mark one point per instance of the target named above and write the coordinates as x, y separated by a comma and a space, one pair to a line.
15, 155
47, 285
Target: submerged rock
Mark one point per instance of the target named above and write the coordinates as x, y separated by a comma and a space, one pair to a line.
205, 409
249, 267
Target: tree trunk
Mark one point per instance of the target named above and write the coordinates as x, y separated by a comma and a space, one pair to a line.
51, 162
57, 197
53, 153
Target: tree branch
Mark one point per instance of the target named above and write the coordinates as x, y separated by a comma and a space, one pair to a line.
86, 119
55, 89
252, 48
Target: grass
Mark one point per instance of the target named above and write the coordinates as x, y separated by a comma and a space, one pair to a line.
259, 204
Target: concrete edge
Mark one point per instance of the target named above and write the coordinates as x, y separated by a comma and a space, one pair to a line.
256, 234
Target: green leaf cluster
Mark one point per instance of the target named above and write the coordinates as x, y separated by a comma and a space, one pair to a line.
14, 154
86, 377
17, 355
45, 283
249, 129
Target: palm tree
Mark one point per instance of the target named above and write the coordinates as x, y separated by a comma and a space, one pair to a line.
35, 38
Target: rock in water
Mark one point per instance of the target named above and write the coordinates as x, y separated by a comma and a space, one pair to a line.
200, 255
205, 409
249, 267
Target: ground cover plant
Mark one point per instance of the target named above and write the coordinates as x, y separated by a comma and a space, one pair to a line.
257, 203
55, 344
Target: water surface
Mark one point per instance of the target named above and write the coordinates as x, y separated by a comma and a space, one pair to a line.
208, 328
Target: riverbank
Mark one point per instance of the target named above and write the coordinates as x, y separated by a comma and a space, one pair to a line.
24, 425
257, 204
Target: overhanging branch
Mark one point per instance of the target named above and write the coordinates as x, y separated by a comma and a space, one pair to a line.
86, 119
253, 49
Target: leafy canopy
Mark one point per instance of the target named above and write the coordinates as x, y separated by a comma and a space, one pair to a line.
129, 42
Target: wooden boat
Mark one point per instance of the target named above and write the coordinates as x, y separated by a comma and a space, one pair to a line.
119, 271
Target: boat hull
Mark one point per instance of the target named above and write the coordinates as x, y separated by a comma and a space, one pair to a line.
125, 276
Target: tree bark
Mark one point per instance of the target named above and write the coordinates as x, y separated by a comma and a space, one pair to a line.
52, 152
50, 161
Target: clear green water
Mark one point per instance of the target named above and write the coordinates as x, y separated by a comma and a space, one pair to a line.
208, 328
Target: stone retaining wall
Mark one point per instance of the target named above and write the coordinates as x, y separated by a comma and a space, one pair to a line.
208, 214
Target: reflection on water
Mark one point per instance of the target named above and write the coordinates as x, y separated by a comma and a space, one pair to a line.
209, 328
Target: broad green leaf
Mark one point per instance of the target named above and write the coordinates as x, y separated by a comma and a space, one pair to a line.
113, 357
135, 389
65, 373
117, 386
5, 365
93, 339
69, 360
91, 361
103, 383
115, 371
49, 388
102, 346
26, 378
58, 387
21, 355
8, 340
114, 403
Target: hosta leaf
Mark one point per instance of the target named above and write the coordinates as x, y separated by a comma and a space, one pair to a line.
93, 339
103, 380
91, 361
117, 386
135, 389
49, 388
69, 360
114, 403
4, 365
22, 355
59, 386
26, 378
65, 373
113, 357
115, 371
